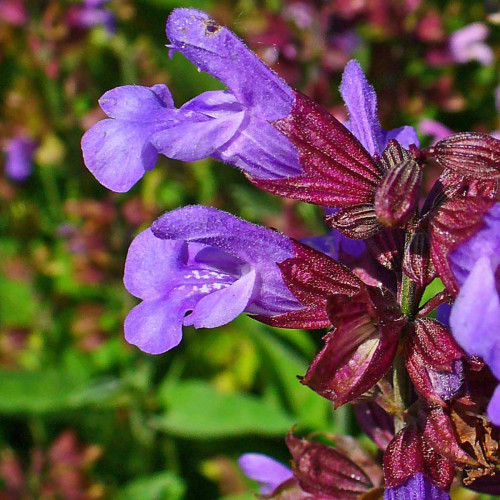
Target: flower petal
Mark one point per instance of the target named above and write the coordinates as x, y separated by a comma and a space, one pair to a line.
261, 151
137, 103
197, 137
406, 136
475, 317
218, 51
118, 153
155, 326
151, 265
251, 243
221, 307
361, 103
417, 486
268, 472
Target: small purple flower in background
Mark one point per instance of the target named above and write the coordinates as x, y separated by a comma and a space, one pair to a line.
436, 130
90, 13
233, 126
269, 473
418, 487
19, 158
468, 44
475, 316
209, 262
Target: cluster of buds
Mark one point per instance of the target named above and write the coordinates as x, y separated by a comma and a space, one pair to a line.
424, 391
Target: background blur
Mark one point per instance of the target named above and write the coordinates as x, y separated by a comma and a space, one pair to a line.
83, 415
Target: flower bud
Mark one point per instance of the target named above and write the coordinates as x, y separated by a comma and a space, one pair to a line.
397, 195
469, 153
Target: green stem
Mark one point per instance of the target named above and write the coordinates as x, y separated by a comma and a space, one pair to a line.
409, 298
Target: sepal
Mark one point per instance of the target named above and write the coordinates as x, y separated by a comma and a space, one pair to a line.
417, 262
470, 154
454, 222
326, 473
409, 454
358, 222
430, 349
397, 195
338, 171
360, 349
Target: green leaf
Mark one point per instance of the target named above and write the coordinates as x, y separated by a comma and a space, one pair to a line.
284, 365
52, 391
198, 410
160, 486
18, 306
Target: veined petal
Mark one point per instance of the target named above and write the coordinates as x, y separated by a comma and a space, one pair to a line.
361, 103
221, 307
218, 51
197, 138
155, 326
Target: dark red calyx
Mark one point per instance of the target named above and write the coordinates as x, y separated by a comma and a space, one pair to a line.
360, 349
338, 171
430, 352
358, 222
417, 262
397, 195
326, 473
375, 422
454, 222
388, 248
470, 154
409, 454
312, 276
440, 433
393, 155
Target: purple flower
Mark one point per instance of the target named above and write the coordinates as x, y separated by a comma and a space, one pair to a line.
417, 487
361, 103
90, 13
467, 44
19, 158
234, 126
209, 263
268, 472
475, 316
435, 129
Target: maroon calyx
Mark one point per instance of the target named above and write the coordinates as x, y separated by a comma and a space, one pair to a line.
338, 171
469, 153
360, 349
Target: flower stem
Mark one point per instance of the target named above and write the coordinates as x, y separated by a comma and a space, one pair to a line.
409, 298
